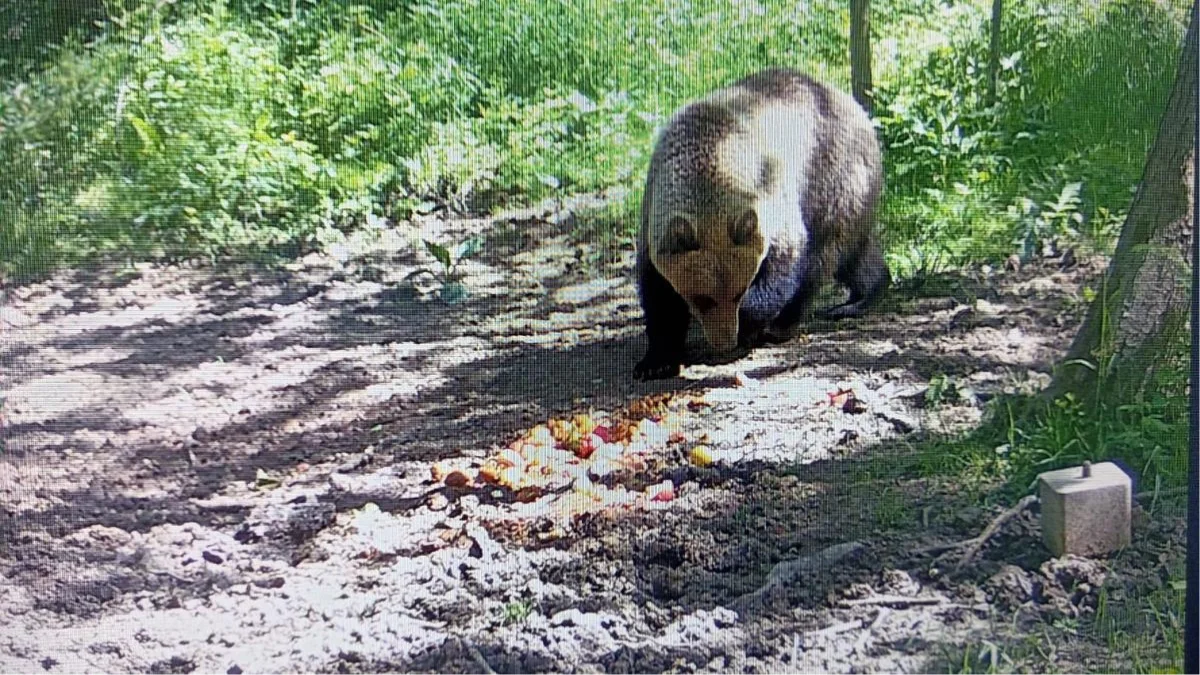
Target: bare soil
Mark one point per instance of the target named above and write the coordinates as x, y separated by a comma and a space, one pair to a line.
229, 470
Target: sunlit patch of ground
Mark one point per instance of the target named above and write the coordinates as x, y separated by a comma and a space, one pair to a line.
215, 469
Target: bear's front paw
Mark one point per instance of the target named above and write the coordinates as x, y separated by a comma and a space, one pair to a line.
777, 335
750, 339
655, 367
846, 310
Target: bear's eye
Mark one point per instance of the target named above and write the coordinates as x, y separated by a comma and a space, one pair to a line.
703, 303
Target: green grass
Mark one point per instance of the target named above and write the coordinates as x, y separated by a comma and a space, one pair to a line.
1026, 436
1143, 634
140, 129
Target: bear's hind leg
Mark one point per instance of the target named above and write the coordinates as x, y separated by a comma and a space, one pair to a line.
867, 276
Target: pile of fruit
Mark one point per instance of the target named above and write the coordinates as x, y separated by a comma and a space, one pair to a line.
577, 453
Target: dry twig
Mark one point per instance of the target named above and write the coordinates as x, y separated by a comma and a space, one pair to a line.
893, 600
990, 531
975, 544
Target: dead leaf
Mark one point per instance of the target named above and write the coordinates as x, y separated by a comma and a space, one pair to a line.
263, 480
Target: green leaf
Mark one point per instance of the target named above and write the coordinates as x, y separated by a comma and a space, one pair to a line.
438, 251
468, 248
260, 128
453, 293
145, 132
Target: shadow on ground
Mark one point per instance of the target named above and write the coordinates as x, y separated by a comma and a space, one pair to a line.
132, 402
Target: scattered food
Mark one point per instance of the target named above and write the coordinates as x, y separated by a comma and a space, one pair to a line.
701, 456
569, 456
854, 405
663, 492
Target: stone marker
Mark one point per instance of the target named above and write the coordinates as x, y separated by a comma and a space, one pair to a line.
1085, 510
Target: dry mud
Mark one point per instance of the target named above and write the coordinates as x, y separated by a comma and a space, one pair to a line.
229, 470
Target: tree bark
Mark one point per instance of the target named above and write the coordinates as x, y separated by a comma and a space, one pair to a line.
1141, 314
994, 51
860, 52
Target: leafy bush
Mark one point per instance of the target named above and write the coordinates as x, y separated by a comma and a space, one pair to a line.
968, 180
244, 126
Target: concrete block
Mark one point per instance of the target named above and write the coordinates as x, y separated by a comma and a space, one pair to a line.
1086, 510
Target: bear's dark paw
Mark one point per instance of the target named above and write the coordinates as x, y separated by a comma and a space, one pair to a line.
653, 367
750, 339
776, 335
849, 310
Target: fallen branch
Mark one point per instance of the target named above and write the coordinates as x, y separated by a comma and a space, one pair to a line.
892, 600
977, 544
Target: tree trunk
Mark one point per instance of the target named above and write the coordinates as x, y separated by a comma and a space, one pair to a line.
1141, 314
994, 51
860, 52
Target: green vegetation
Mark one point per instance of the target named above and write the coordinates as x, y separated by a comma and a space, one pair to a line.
258, 128
1148, 435
248, 127
449, 277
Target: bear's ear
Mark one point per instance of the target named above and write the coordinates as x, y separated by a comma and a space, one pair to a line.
680, 237
744, 229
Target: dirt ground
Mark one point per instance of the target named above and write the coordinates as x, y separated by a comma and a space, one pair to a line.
230, 471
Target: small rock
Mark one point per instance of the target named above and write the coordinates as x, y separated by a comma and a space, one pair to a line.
212, 557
